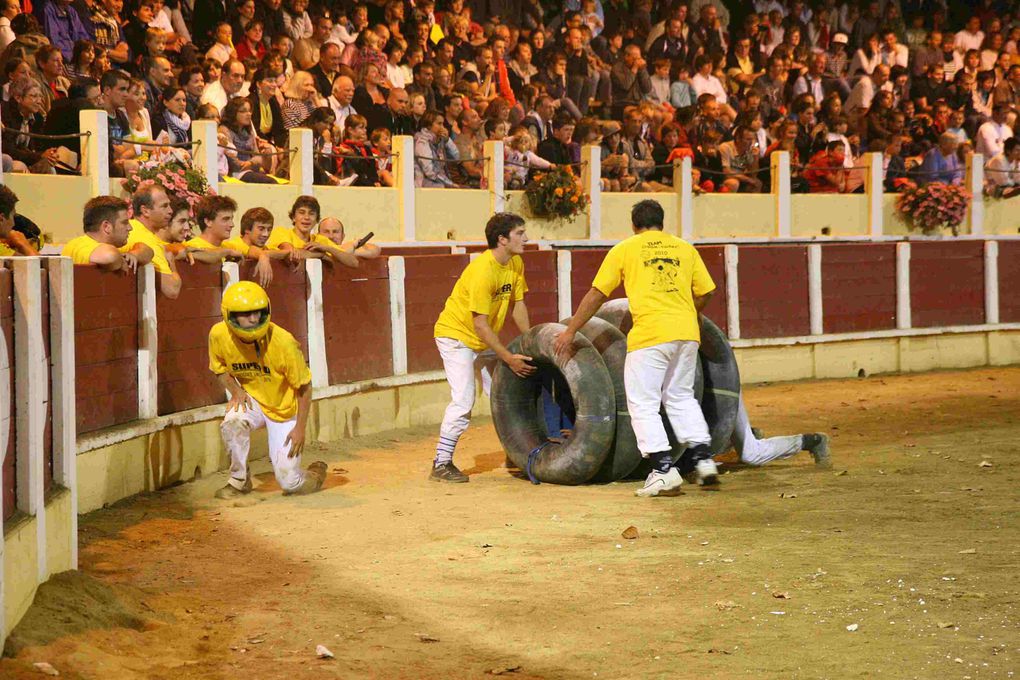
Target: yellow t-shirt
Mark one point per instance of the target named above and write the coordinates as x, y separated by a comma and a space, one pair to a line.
284, 235
484, 287
661, 274
271, 376
237, 244
200, 243
140, 234
319, 238
6, 250
80, 249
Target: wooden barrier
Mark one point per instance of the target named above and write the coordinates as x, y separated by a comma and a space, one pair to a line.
106, 348
288, 295
715, 261
7, 420
773, 291
183, 377
356, 318
859, 287
1009, 281
411, 251
428, 281
947, 283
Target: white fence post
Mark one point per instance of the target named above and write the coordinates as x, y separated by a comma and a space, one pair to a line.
147, 343
591, 183
875, 188
564, 286
206, 153
30, 389
903, 320
316, 325
991, 282
683, 181
494, 176
95, 150
975, 182
731, 257
814, 255
398, 315
62, 379
781, 191
302, 159
403, 179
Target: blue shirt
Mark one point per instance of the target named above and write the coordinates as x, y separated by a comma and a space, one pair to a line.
64, 27
939, 168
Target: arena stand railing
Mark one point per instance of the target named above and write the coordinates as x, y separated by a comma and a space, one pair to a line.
412, 216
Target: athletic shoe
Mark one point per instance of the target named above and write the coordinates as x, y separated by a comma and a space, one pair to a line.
708, 473
661, 484
818, 445
447, 472
758, 434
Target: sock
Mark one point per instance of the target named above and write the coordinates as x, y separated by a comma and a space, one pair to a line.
444, 451
691, 456
662, 461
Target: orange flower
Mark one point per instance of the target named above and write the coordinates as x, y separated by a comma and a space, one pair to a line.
573, 199
559, 191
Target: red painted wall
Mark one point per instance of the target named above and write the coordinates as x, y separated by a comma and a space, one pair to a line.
947, 283
583, 266
184, 380
428, 281
1009, 281
714, 258
773, 291
359, 343
415, 250
106, 348
858, 287
10, 462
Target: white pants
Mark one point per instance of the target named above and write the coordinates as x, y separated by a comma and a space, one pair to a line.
664, 375
459, 364
236, 430
754, 451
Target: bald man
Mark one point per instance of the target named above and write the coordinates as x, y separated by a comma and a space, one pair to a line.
340, 100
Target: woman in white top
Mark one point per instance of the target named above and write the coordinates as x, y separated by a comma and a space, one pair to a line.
138, 114
866, 58
394, 53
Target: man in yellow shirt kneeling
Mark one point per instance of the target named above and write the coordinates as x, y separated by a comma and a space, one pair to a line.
270, 386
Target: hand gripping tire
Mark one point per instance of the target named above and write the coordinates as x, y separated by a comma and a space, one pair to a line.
611, 344
520, 424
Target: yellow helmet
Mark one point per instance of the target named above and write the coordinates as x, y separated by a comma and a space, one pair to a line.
246, 296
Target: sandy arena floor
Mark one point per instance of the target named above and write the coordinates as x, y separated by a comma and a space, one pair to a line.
913, 539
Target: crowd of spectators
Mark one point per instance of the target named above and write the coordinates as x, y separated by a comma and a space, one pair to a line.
727, 83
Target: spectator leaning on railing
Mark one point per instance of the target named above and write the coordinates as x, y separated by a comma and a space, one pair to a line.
151, 209
105, 241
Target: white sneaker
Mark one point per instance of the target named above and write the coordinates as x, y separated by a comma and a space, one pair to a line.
708, 473
661, 483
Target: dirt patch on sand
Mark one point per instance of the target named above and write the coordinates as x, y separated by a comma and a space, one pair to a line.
913, 539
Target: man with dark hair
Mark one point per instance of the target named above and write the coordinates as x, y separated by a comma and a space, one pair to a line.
326, 68
668, 286
231, 84
424, 72
113, 89
192, 81
214, 216
105, 220
12, 242
256, 226
304, 215
151, 208
556, 149
470, 322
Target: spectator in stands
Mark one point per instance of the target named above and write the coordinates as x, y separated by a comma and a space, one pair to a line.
1008, 91
739, 158
63, 25
470, 144
245, 161
192, 81
251, 44
207, 14
341, 98
556, 149
864, 91
301, 99
151, 209
326, 69
941, 163
114, 88
159, 73
50, 74
630, 79
223, 47
893, 165
8, 10
22, 117
992, 135
231, 84
105, 241
431, 153
361, 153
1002, 174
639, 153
267, 115
825, 172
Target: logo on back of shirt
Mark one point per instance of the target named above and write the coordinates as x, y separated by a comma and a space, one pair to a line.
665, 271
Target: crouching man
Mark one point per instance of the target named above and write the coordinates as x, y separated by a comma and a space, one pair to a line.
270, 386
